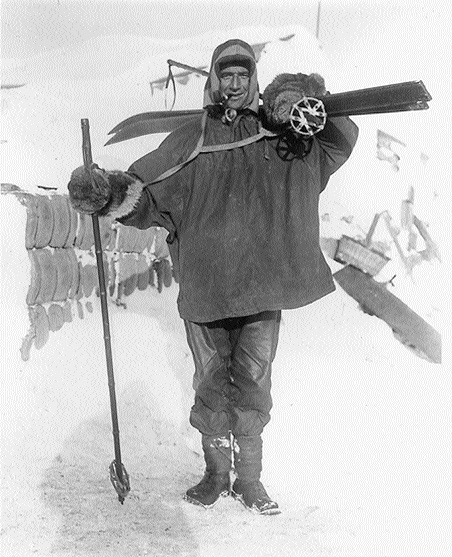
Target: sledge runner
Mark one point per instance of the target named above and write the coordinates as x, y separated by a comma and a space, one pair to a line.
240, 204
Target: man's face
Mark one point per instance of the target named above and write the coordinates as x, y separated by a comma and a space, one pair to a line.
235, 84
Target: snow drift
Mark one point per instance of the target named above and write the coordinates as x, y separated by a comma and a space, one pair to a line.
355, 452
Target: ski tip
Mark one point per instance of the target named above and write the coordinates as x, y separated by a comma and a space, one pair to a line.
428, 97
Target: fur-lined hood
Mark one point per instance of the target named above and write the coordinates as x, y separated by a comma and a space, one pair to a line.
238, 51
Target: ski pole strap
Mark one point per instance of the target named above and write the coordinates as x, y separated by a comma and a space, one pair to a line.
168, 79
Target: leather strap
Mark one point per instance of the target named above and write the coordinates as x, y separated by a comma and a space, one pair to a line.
201, 148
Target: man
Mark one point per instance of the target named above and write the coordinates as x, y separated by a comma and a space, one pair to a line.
240, 203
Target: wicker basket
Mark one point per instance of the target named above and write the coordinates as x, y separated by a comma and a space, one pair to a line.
353, 252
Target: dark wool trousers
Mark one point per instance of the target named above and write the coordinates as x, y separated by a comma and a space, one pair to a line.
232, 380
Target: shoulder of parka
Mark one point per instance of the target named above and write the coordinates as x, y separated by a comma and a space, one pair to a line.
174, 149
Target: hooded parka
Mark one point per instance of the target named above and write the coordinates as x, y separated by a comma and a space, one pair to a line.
243, 221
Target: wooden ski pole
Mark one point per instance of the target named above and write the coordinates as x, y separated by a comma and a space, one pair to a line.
118, 474
190, 69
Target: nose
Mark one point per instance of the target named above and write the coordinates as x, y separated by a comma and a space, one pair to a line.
236, 82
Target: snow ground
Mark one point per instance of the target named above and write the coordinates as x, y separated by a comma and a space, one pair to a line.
356, 452
358, 449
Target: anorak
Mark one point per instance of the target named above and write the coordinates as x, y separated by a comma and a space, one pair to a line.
243, 223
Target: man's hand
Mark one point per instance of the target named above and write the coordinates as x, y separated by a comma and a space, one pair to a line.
83, 196
287, 89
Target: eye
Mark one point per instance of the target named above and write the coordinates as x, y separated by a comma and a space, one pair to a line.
228, 76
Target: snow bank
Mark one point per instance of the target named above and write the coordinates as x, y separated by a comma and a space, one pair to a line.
56, 405
41, 120
355, 450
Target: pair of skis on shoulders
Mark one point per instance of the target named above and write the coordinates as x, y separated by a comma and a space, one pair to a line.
398, 97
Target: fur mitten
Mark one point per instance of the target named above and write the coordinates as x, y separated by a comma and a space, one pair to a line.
285, 90
111, 189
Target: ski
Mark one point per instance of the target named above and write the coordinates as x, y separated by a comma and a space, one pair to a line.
156, 115
375, 299
397, 97
150, 123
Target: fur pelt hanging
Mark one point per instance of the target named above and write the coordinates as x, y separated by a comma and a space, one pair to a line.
286, 89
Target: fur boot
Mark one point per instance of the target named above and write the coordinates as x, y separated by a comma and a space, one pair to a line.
216, 480
247, 487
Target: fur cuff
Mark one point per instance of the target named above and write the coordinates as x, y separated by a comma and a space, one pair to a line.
128, 199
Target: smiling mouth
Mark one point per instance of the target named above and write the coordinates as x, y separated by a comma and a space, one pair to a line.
236, 100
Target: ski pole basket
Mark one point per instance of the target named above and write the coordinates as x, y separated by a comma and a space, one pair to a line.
360, 254
353, 252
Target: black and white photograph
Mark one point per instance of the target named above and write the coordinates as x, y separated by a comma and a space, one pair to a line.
225, 278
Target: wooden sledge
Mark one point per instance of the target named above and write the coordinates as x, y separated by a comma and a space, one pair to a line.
408, 327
